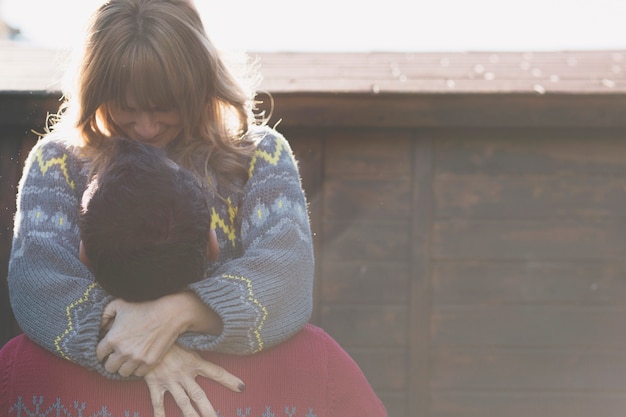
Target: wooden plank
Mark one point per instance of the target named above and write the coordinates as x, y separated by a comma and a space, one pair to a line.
401, 68
27, 144
27, 109
371, 110
308, 149
419, 330
446, 75
424, 64
525, 404
532, 240
529, 196
385, 369
574, 71
512, 370
367, 199
373, 327
529, 282
395, 403
436, 58
365, 282
529, 326
10, 172
450, 110
27, 68
482, 84
368, 154
565, 152
365, 241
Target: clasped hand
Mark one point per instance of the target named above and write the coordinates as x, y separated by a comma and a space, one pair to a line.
140, 340
138, 335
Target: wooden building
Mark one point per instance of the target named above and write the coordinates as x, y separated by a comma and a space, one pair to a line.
469, 212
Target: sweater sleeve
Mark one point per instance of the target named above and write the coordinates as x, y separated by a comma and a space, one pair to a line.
54, 297
263, 296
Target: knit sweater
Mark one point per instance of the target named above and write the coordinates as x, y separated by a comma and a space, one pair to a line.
261, 285
310, 375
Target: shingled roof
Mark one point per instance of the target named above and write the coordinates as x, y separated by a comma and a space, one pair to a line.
24, 67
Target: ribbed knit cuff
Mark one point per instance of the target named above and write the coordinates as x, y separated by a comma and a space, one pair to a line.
84, 344
237, 322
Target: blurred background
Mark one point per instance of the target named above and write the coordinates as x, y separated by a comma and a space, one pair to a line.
341, 26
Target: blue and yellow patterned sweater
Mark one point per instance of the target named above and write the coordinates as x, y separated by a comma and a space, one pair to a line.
261, 285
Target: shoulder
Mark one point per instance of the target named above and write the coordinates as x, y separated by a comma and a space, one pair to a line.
17, 347
9, 349
54, 163
267, 138
272, 150
335, 355
51, 147
319, 336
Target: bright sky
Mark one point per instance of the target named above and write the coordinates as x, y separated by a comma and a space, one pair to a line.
362, 26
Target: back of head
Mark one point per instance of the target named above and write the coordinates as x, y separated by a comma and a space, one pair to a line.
144, 223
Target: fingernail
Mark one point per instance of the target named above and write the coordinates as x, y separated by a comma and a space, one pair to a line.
242, 387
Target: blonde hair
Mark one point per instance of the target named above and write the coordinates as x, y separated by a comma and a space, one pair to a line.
158, 51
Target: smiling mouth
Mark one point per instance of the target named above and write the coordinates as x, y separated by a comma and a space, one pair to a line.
152, 141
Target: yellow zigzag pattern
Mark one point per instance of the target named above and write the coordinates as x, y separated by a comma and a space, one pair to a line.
44, 166
271, 158
257, 331
70, 325
228, 229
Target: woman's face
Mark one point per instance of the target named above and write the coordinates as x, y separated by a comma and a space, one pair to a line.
155, 126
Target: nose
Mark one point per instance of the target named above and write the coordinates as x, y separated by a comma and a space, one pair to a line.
146, 126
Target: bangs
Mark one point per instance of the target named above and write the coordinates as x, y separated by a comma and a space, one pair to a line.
138, 73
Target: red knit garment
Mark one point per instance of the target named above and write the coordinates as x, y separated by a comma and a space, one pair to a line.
309, 375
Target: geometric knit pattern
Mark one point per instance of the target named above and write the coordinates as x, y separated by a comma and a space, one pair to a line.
39, 408
261, 285
309, 375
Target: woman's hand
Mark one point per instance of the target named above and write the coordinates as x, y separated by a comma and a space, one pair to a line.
140, 334
177, 372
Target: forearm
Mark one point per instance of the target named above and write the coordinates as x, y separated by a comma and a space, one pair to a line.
55, 306
52, 294
262, 288
262, 299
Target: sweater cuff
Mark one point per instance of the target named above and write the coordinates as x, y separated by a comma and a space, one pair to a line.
241, 324
84, 344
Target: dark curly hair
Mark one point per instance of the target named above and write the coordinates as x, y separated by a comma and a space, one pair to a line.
144, 223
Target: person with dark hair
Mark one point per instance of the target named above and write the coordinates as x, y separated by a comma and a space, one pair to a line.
143, 221
145, 224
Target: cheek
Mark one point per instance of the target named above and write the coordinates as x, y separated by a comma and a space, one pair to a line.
172, 119
121, 118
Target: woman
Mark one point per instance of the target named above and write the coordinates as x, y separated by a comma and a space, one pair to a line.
149, 72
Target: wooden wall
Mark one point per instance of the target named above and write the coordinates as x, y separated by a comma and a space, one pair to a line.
470, 249
471, 253
475, 272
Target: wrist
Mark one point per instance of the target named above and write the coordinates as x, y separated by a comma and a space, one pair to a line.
195, 316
